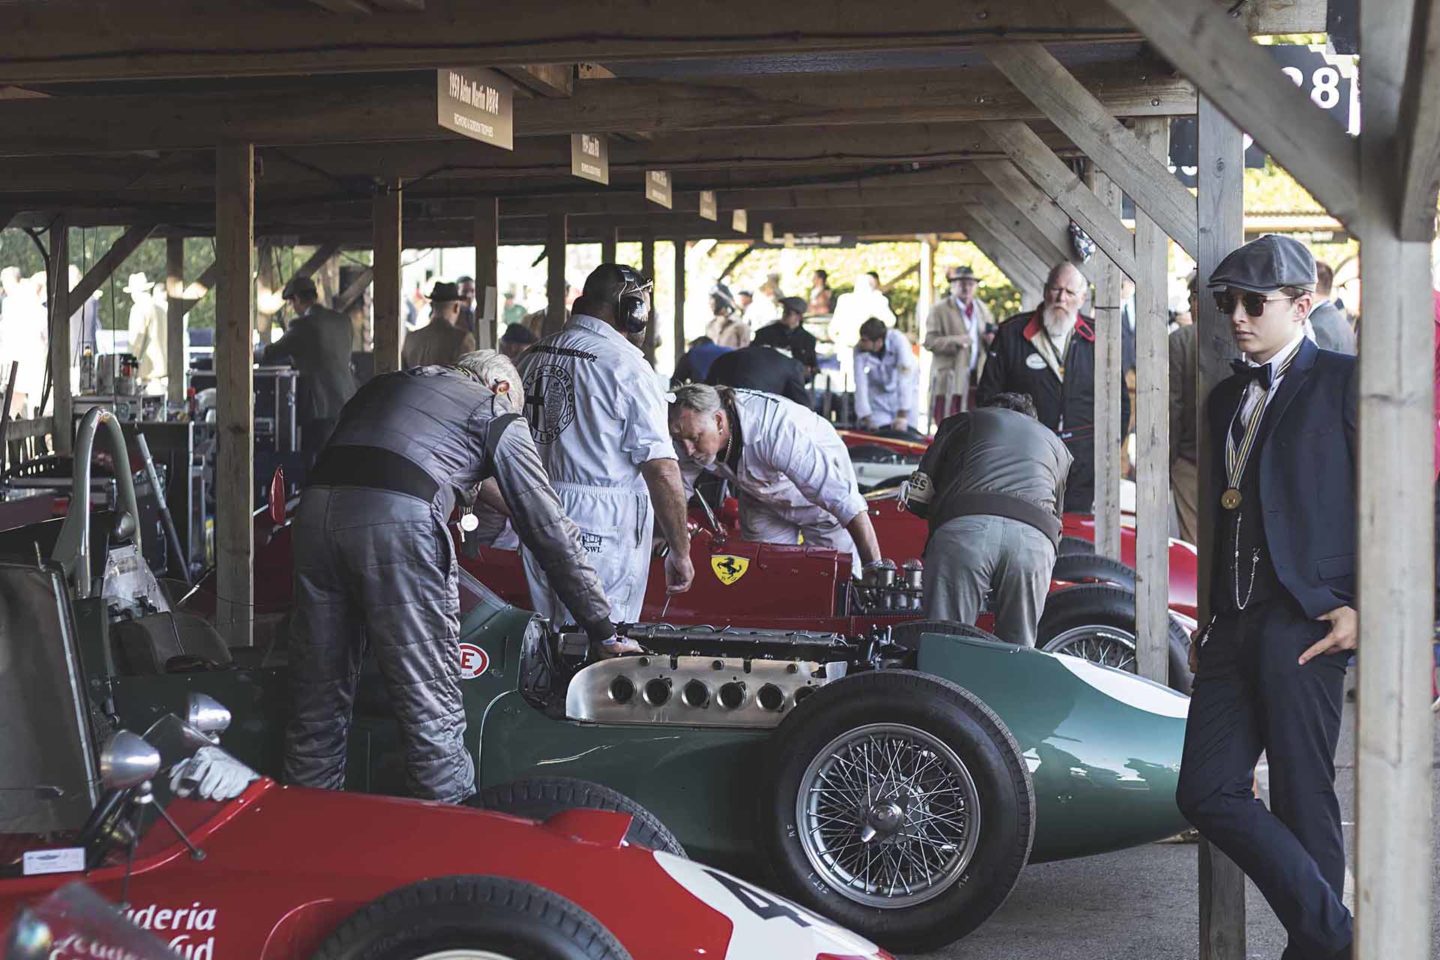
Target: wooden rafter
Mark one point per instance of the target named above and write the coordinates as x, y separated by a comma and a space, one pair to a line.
389, 110
1094, 129
1248, 87
1060, 183
126, 244
1421, 126
40, 42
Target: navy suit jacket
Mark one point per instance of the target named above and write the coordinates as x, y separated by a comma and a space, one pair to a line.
1307, 454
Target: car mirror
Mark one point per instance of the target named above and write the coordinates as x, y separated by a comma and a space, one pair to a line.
127, 761
206, 714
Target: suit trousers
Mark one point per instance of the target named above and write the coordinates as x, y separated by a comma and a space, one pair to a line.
1185, 491
1251, 694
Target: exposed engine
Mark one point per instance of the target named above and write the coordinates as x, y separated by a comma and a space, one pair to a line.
884, 589
695, 690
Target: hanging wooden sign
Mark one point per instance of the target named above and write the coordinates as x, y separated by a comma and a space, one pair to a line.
476, 103
709, 210
657, 187
739, 222
590, 157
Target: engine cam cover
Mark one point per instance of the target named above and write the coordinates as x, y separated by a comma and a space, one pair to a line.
693, 690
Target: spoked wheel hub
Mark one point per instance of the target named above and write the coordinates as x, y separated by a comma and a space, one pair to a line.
889, 815
1110, 646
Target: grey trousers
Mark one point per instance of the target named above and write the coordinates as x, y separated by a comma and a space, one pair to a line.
970, 557
375, 569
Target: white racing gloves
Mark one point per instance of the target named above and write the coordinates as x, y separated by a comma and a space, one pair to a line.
211, 774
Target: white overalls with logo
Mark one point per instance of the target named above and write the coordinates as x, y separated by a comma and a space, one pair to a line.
597, 413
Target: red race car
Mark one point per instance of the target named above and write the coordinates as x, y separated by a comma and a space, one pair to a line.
261, 871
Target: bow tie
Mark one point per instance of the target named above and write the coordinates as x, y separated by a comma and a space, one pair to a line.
1263, 374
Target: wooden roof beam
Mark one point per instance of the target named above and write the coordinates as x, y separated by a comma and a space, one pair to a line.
1062, 97
378, 111
1245, 83
161, 38
1060, 183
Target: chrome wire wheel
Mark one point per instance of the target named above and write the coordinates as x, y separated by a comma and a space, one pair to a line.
889, 815
1098, 643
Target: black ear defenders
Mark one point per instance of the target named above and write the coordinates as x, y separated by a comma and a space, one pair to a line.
630, 306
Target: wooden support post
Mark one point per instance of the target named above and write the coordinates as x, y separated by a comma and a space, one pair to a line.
1051, 174
317, 260
1109, 386
1394, 532
387, 242
487, 272
555, 238
1220, 228
58, 299
679, 321
176, 363
609, 241
926, 300
1088, 122
235, 397
999, 216
1152, 430
647, 268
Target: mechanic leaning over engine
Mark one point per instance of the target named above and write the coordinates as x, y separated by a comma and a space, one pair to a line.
375, 565
792, 472
598, 415
992, 487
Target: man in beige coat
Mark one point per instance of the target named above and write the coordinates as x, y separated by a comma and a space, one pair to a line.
954, 336
442, 341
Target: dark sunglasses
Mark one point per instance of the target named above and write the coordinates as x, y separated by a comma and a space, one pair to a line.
1254, 302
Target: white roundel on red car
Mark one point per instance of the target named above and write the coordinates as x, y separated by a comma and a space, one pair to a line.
473, 661
765, 924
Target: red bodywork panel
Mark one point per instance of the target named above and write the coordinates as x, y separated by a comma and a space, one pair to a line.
285, 866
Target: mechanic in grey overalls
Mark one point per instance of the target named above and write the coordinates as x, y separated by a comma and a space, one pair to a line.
375, 565
792, 472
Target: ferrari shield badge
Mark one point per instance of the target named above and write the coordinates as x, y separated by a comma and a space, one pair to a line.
728, 569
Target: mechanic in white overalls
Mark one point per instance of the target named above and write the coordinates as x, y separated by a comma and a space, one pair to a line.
791, 471
598, 415
887, 378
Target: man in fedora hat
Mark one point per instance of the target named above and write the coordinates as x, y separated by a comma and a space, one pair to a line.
441, 341
317, 343
954, 335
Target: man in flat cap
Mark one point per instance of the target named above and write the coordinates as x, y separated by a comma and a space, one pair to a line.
317, 343
789, 334
1270, 665
442, 341
514, 341
953, 335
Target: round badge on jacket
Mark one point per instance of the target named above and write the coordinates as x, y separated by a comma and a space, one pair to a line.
1035, 362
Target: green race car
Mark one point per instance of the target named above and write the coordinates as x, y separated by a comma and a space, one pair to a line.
896, 781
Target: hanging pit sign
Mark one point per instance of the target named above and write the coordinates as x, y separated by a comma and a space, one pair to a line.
477, 103
590, 157
740, 222
708, 208
657, 187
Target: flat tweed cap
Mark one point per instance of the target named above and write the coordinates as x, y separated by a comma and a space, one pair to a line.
1266, 264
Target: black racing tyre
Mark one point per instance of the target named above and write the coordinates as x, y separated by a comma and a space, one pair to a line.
950, 810
1096, 622
538, 798
907, 634
1075, 545
1091, 568
488, 915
